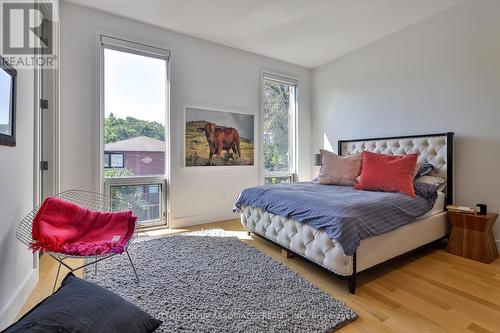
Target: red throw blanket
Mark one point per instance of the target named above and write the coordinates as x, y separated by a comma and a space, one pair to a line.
63, 227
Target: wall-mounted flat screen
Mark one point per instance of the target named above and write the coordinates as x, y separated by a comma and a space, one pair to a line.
7, 104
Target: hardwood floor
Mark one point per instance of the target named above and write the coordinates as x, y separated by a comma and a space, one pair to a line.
429, 290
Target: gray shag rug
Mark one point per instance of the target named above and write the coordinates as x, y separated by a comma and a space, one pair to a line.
209, 282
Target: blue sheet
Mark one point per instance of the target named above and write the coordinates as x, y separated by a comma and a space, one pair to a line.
346, 215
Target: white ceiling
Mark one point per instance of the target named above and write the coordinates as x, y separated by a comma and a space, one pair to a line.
304, 32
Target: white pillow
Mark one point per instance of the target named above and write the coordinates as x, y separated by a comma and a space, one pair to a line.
439, 182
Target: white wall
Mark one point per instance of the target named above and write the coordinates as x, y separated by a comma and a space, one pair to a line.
442, 74
17, 276
202, 74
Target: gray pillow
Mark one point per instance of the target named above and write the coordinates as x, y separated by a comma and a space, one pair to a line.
425, 169
437, 182
81, 306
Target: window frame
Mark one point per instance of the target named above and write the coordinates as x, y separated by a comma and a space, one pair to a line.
144, 181
107, 156
293, 140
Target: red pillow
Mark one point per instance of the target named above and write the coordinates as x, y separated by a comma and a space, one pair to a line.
388, 173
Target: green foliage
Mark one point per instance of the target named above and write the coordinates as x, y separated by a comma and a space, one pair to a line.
116, 129
144, 197
276, 126
276, 180
128, 194
110, 173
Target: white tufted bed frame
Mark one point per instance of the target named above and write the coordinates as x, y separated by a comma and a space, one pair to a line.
315, 246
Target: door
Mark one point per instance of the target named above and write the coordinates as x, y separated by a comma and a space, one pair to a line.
134, 103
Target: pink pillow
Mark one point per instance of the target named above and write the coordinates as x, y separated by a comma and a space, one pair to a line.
388, 173
337, 170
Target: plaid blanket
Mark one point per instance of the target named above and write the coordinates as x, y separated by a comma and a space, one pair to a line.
346, 215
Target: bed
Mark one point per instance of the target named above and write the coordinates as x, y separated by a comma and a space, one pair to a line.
317, 247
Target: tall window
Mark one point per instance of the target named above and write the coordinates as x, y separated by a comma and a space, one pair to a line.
134, 113
134, 96
279, 112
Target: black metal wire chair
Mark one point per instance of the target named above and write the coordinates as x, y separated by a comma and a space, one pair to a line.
96, 202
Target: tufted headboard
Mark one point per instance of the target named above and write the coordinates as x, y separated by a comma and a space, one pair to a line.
436, 149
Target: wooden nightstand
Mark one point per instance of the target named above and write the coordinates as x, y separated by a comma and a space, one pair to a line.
471, 236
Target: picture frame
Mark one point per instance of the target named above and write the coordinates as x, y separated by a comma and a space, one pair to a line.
218, 138
8, 87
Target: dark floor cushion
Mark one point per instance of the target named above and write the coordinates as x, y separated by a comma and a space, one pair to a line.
80, 306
